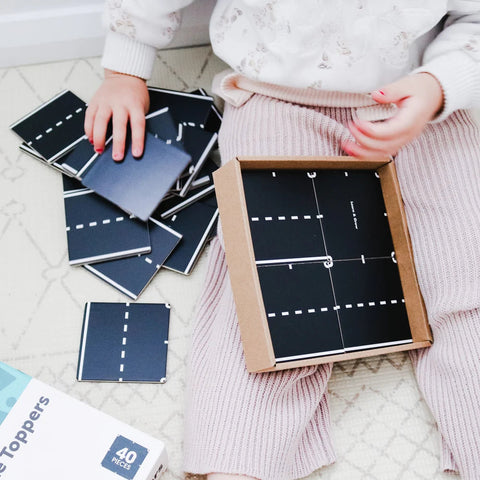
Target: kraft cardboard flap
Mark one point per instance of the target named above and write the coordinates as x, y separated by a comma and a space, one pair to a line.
241, 267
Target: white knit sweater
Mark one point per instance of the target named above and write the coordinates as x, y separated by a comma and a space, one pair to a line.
341, 45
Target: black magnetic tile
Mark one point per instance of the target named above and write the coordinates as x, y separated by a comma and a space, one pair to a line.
186, 107
280, 193
97, 230
353, 210
123, 342
214, 119
55, 127
162, 125
78, 158
131, 275
195, 223
300, 309
198, 143
137, 185
286, 239
370, 297
305, 335
175, 203
290, 287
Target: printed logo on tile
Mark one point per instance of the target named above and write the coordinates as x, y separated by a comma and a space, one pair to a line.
124, 457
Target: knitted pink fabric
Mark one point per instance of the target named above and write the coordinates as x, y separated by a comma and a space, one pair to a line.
275, 426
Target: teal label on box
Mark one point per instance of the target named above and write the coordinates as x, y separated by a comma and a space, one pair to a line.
12, 384
124, 457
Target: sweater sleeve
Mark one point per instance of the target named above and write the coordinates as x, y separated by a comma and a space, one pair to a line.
135, 30
454, 57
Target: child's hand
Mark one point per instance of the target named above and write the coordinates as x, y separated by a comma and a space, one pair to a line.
121, 98
419, 98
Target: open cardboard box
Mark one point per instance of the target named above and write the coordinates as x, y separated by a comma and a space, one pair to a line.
244, 277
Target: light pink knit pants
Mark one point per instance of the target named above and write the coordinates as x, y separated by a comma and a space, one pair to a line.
275, 426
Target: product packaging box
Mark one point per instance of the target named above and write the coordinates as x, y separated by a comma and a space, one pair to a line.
46, 434
320, 260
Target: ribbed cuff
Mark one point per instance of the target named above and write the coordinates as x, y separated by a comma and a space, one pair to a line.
459, 76
126, 55
447, 461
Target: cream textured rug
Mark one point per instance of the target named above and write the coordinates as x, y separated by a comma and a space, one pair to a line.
382, 427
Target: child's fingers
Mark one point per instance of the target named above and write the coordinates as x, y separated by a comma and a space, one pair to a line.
372, 143
100, 125
137, 124
404, 121
89, 120
119, 132
363, 153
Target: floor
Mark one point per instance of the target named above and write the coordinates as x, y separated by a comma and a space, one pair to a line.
382, 427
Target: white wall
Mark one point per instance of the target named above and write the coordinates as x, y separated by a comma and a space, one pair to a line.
35, 31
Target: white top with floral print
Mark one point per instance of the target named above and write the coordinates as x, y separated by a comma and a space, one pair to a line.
341, 45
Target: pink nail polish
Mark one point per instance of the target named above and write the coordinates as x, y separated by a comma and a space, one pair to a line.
99, 150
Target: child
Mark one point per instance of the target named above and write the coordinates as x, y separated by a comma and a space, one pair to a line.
309, 79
